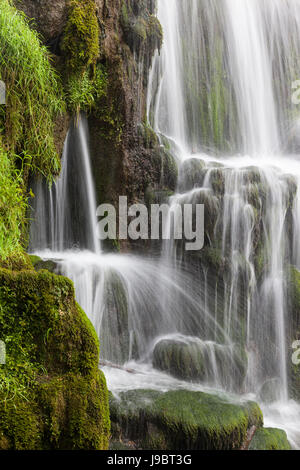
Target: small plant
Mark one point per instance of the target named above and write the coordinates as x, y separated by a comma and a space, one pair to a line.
12, 207
82, 91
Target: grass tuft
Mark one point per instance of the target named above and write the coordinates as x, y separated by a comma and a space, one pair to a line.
34, 93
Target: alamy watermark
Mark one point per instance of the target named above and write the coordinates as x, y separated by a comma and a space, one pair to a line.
296, 354
137, 222
2, 353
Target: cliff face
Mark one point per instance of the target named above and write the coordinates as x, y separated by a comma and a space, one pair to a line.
127, 156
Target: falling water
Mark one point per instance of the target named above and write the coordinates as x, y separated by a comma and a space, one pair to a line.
64, 215
232, 64
225, 75
221, 90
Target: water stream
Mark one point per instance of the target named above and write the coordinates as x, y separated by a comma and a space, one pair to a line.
221, 90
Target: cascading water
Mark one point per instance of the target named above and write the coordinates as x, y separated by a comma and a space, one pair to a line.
60, 222
124, 296
232, 64
219, 88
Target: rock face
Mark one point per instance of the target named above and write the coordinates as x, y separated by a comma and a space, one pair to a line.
52, 394
127, 156
181, 420
49, 16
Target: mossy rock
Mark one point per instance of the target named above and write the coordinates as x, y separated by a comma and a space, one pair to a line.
52, 394
140, 27
293, 277
184, 360
48, 265
148, 137
182, 420
192, 173
270, 439
114, 333
198, 361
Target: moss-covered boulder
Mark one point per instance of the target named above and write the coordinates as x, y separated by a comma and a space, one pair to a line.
199, 361
40, 264
270, 439
114, 333
182, 420
184, 360
52, 395
293, 277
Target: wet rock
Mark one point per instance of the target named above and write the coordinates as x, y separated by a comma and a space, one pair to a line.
293, 277
114, 333
270, 391
48, 265
192, 173
198, 361
184, 360
182, 420
270, 439
49, 15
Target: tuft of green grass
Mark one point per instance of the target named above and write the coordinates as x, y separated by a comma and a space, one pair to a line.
34, 93
12, 207
84, 91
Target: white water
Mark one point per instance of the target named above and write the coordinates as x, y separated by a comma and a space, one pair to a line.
245, 55
64, 215
257, 40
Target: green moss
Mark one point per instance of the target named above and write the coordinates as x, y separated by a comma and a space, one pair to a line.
141, 29
155, 33
12, 208
183, 360
115, 322
33, 95
191, 360
21, 426
182, 420
293, 277
270, 439
51, 373
83, 92
76, 411
80, 43
34, 259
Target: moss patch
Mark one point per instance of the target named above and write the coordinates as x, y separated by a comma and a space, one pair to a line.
270, 439
294, 323
80, 43
182, 420
51, 391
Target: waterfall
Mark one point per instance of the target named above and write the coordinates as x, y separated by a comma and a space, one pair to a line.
221, 88
64, 214
221, 91
225, 74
